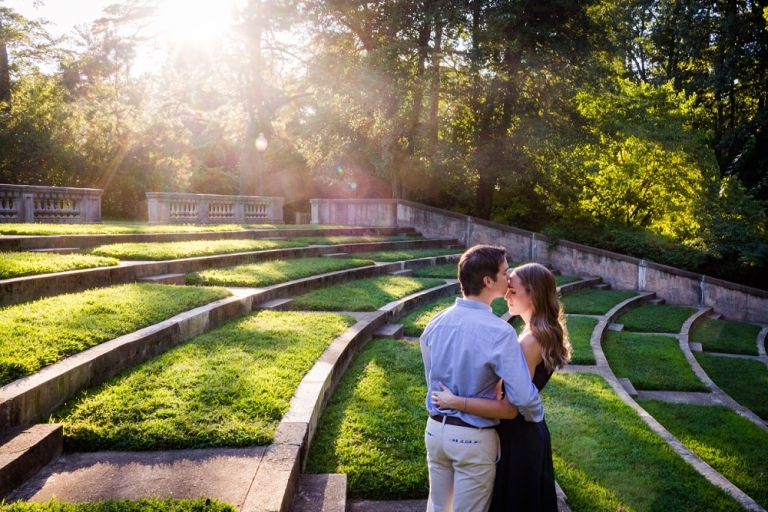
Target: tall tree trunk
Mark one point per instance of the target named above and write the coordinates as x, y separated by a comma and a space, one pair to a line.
434, 105
5, 77
258, 119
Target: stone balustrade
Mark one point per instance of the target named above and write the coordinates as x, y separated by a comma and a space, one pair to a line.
56, 205
176, 208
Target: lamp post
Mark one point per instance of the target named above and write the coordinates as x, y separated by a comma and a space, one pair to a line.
261, 147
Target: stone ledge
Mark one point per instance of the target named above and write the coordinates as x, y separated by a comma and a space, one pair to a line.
585, 284
26, 453
177, 279
321, 493
389, 331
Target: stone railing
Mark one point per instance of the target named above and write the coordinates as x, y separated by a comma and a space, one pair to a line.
734, 301
57, 205
173, 208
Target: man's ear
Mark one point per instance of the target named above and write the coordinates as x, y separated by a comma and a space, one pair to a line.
488, 282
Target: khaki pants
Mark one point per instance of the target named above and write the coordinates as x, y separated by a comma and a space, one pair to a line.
462, 467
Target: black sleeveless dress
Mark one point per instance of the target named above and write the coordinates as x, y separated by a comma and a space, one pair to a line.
525, 477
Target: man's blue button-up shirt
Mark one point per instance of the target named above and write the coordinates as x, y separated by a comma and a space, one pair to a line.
468, 348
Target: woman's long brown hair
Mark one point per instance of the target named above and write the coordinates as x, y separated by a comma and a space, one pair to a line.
547, 321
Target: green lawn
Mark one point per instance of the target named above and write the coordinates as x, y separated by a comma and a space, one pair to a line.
408, 254
17, 264
607, 459
272, 272
415, 322
364, 294
656, 318
731, 444
37, 334
373, 426
650, 362
561, 280
580, 330
745, 380
228, 387
450, 271
143, 505
594, 302
159, 251
726, 336
336, 240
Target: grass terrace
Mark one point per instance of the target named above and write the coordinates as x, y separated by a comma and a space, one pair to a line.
656, 318
594, 302
18, 264
336, 240
229, 387
416, 321
272, 272
449, 271
745, 380
606, 458
580, 330
40, 333
731, 444
408, 254
650, 362
159, 251
373, 426
364, 294
143, 505
726, 336
561, 280
128, 228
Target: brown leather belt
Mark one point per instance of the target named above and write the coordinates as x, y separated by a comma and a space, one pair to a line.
452, 420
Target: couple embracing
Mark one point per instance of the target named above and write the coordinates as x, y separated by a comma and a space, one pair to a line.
488, 446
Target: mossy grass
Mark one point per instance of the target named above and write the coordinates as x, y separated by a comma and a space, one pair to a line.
159, 251
228, 387
656, 318
650, 362
18, 264
142, 505
594, 302
272, 272
364, 294
373, 426
408, 254
580, 330
726, 336
606, 458
731, 444
745, 380
37, 334
336, 240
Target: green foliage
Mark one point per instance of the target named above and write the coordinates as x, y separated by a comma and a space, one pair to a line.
142, 505
158, 251
364, 294
40, 333
726, 336
656, 318
594, 302
373, 427
407, 254
650, 362
746, 381
606, 458
580, 330
228, 387
734, 446
271, 272
17, 264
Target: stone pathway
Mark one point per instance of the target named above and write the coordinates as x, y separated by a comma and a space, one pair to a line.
680, 397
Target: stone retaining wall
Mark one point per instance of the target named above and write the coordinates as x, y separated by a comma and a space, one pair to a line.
57, 205
734, 301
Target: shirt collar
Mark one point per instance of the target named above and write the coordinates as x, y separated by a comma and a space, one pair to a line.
473, 304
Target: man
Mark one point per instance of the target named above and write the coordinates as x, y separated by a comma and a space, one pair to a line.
468, 348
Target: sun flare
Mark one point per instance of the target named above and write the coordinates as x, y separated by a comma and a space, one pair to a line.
194, 20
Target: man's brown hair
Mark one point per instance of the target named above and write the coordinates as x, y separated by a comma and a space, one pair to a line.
478, 262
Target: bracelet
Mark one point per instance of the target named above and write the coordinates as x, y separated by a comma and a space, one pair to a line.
465, 405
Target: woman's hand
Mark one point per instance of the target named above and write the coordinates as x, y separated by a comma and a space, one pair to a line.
445, 399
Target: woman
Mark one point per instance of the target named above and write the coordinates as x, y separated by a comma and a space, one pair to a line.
525, 478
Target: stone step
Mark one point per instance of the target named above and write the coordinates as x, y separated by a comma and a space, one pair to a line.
336, 255
178, 279
26, 451
715, 316
405, 231
402, 273
389, 331
695, 346
556, 272
276, 305
628, 387
548, 266
616, 327
388, 506
657, 302
601, 286
321, 493
411, 235
279, 238
58, 250
454, 246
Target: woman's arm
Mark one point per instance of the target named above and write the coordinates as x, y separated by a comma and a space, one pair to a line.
483, 407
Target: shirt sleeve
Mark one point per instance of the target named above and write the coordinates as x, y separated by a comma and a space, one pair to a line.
425, 355
508, 362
